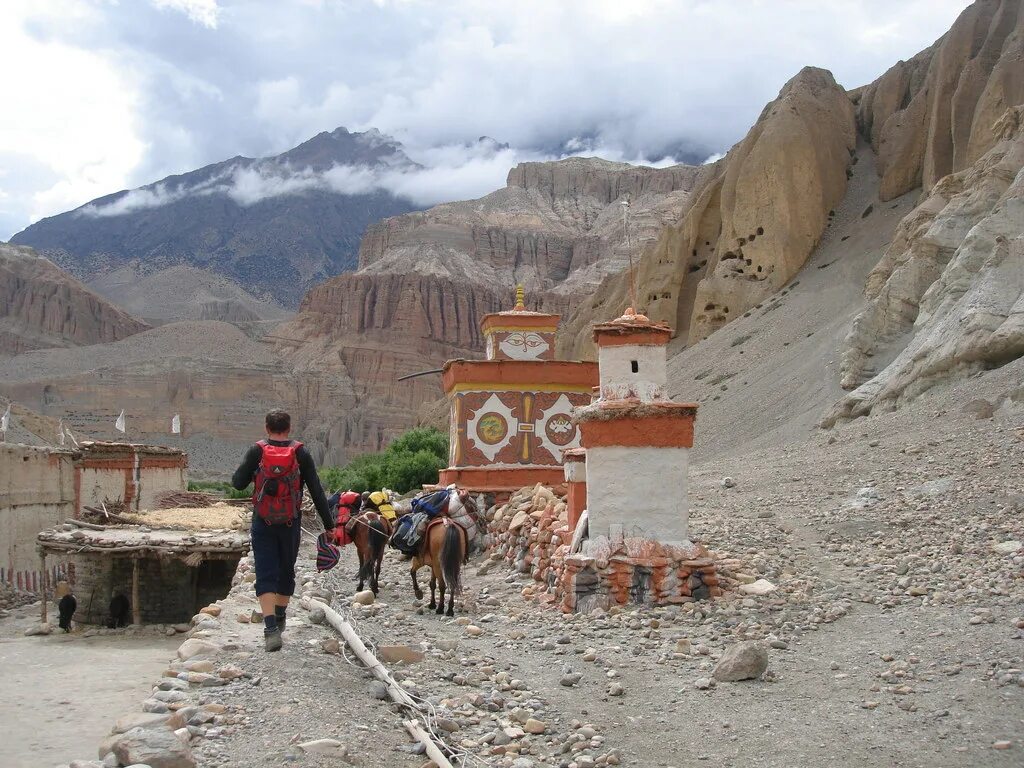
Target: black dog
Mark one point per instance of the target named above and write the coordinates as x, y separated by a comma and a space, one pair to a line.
67, 607
120, 612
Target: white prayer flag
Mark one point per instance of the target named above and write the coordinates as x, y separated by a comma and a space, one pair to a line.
176, 424
60, 431
5, 420
119, 424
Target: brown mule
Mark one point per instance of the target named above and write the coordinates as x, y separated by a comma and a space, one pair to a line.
444, 549
370, 535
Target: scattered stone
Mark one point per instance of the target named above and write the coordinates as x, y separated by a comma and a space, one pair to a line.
140, 720
534, 726
38, 629
728, 482
759, 588
330, 645
615, 689
743, 661
195, 647
379, 690
155, 747
473, 631
703, 683
366, 597
1002, 744
406, 654
1006, 547
329, 747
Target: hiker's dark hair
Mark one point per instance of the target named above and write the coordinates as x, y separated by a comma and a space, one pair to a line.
278, 421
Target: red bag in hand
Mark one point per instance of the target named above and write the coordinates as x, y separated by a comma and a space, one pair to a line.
327, 554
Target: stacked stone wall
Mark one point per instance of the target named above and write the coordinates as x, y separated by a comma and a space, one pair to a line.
531, 532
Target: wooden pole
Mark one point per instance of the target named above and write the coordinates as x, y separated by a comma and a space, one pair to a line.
435, 754
395, 691
42, 564
136, 606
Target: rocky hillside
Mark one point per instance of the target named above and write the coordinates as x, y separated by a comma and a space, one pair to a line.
943, 298
752, 224
275, 225
218, 379
937, 113
41, 306
426, 279
183, 292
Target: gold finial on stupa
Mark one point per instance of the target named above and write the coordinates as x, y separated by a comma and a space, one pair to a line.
520, 298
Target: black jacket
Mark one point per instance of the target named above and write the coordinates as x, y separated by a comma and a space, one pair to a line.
307, 468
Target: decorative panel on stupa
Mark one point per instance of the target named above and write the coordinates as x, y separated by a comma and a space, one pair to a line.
511, 414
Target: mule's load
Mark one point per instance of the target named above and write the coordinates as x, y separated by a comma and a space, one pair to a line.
380, 501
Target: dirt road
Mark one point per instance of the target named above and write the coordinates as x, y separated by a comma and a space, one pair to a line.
60, 694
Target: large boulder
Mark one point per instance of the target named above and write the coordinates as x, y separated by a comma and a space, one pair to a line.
743, 661
195, 647
155, 747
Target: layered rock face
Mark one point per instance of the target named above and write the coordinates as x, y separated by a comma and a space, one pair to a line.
947, 299
751, 224
183, 292
219, 380
935, 114
41, 306
426, 280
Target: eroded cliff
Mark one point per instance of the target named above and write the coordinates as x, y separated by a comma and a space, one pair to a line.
42, 306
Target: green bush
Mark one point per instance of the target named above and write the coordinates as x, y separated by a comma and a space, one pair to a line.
414, 459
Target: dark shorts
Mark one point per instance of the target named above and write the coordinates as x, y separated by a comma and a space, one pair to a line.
275, 549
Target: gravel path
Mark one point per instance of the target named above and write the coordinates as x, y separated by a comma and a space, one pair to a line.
895, 633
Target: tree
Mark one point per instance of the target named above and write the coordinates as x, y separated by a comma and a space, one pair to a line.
413, 460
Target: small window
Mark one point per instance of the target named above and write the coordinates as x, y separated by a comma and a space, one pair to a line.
635, 366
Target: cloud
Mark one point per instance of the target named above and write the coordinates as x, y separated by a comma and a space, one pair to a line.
204, 12
116, 95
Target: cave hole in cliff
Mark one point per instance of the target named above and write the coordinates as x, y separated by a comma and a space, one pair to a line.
760, 230
759, 268
750, 238
741, 241
694, 251
748, 261
708, 307
694, 268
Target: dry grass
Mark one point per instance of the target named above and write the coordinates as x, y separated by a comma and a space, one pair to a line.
220, 515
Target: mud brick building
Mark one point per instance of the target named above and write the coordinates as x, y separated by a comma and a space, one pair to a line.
41, 487
167, 575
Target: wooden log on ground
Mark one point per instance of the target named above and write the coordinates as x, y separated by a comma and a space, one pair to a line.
395, 691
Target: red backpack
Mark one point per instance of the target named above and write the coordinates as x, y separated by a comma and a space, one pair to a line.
277, 489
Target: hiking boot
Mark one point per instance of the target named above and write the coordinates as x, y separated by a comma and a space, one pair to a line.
272, 640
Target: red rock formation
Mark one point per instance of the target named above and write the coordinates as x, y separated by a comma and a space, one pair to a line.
426, 279
41, 306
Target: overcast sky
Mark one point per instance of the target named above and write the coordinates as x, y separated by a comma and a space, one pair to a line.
101, 95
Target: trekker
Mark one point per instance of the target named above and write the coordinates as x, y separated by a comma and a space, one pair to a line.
278, 467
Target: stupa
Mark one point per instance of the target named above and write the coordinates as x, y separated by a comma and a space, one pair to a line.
637, 441
511, 414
